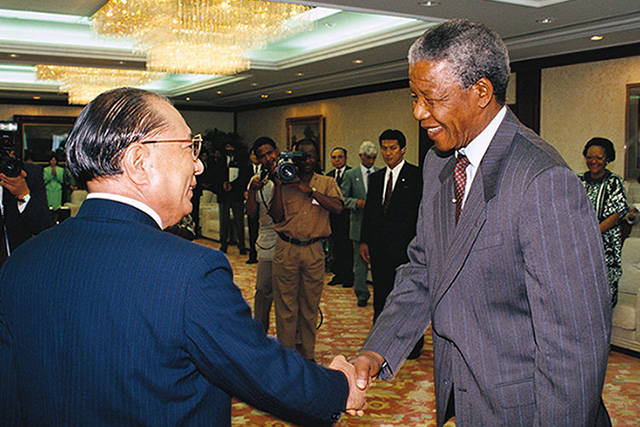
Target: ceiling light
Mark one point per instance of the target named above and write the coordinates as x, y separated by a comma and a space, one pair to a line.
199, 36
14, 55
254, 84
545, 21
358, 61
187, 99
288, 92
264, 95
83, 84
429, 3
299, 74
36, 97
219, 92
596, 38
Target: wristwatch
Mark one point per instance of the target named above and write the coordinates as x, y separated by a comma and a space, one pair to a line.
313, 190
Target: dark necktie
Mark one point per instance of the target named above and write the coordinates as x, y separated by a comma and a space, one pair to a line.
387, 193
339, 177
460, 181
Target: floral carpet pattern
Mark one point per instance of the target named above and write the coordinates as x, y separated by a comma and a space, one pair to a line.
409, 399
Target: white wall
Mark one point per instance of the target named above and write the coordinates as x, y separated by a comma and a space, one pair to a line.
586, 100
349, 121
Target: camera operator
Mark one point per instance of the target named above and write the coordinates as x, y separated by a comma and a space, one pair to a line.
25, 212
300, 210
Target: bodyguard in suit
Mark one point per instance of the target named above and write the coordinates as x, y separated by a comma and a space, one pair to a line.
25, 210
390, 215
354, 190
106, 320
507, 263
340, 241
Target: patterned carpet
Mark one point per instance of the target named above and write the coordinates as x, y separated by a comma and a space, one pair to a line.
408, 400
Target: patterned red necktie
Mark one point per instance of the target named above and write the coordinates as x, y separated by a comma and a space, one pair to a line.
460, 181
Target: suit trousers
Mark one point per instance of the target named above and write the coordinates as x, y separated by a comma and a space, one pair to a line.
264, 294
384, 273
238, 222
342, 257
361, 268
254, 225
298, 278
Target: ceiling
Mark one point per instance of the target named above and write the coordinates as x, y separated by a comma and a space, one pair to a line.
376, 32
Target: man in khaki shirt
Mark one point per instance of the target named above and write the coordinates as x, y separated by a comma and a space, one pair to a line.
300, 211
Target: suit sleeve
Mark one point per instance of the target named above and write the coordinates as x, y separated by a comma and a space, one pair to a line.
368, 214
9, 404
347, 191
233, 353
407, 312
567, 289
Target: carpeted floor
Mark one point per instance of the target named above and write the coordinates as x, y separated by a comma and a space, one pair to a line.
408, 400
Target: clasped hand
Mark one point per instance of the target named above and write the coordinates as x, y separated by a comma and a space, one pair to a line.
360, 373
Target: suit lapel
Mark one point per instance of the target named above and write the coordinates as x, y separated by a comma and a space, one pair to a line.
474, 213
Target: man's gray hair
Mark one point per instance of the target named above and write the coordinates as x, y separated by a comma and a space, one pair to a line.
368, 148
473, 51
106, 127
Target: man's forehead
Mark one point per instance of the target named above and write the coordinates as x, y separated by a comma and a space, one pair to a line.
389, 142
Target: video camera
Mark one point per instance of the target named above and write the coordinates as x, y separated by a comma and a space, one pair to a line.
287, 170
9, 164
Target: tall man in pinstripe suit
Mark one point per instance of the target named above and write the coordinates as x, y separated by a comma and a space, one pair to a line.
105, 320
507, 262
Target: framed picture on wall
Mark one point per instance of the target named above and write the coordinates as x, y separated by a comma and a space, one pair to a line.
309, 127
632, 155
39, 136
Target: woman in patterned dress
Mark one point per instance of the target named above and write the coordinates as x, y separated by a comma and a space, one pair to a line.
606, 192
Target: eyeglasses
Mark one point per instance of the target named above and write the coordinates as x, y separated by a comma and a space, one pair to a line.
196, 144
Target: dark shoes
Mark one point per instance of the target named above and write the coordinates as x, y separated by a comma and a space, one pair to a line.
242, 251
347, 285
252, 261
362, 303
334, 282
223, 248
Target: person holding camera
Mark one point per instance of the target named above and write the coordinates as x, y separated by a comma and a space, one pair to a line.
25, 211
300, 210
258, 199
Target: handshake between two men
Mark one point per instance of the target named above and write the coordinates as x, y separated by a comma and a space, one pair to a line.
360, 373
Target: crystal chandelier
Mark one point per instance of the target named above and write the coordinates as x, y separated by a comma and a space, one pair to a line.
83, 84
199, 36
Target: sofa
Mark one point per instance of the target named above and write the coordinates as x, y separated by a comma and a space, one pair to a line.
625, 332
77, 197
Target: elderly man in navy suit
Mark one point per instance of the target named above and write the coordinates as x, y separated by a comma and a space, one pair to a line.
507, 263
106, 320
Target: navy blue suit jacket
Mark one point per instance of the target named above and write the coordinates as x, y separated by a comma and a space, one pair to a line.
107, 320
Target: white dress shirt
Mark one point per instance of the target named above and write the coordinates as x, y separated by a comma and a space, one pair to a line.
476, 149
365, 174
128, 201
396, 173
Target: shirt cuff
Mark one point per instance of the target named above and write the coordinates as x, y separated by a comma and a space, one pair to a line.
23, 205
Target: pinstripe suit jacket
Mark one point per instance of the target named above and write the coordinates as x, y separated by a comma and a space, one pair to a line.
107, 320
516, 292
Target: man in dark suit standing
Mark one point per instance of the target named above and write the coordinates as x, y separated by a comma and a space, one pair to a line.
507, 263
25, 211
340, 241
107, 320
390, 216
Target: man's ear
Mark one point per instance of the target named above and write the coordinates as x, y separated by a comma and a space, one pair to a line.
484, 91
135, 163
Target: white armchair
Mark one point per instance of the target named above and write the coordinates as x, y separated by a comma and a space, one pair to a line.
77, 197
626, 314
209, 216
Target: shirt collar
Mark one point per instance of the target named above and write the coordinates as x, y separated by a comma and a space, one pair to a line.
396, 169
128, 201
476, 148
